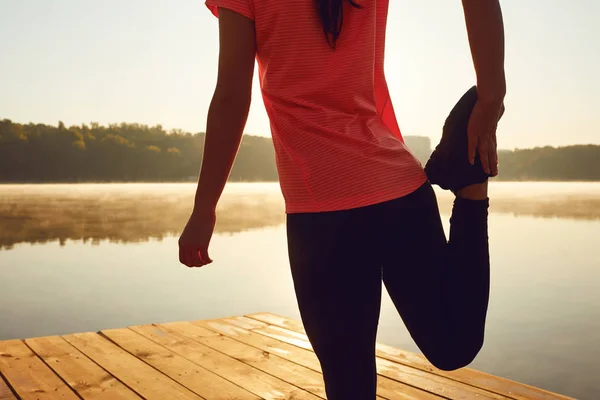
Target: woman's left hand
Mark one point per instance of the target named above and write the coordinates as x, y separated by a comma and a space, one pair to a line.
482, 134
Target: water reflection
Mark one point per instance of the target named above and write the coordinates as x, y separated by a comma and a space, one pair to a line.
123, 213
129, 213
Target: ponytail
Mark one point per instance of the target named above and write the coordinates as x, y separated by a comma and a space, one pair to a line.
331, 13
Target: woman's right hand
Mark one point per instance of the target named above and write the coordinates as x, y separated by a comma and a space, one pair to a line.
194, 241
482, 134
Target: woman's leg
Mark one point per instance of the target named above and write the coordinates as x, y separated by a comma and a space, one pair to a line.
338, 288
440, 288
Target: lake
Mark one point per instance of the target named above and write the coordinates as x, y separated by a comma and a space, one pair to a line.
86, 257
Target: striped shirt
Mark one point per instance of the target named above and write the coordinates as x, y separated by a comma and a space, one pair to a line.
337, 142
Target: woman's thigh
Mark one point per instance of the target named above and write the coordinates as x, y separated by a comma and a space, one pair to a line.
415, 259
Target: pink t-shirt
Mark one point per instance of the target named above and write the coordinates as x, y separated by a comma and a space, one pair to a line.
336, 138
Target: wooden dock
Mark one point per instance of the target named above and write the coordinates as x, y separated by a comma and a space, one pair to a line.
258, 356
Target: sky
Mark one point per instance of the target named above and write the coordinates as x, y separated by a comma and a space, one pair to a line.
155, 62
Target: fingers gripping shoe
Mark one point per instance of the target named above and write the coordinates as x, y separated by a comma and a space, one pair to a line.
448, 166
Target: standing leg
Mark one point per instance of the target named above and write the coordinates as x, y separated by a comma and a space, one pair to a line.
338, 287
440, 289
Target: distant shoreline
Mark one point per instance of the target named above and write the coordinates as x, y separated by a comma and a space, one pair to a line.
135, 153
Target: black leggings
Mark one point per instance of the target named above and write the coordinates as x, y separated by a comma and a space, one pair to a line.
440, 288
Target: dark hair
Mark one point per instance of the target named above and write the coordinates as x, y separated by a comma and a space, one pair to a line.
331, 13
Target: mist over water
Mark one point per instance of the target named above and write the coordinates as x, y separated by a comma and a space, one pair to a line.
133, 213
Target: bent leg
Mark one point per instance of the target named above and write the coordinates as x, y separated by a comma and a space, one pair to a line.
440, 289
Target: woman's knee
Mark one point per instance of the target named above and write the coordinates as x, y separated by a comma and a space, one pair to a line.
456, 357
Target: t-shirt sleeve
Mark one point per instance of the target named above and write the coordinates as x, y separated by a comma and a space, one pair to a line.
243, 7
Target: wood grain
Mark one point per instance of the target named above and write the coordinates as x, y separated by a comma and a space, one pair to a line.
133, 372
83, 375
257, 356
263, 385
387, 388
201, 380
27, 374
491, 383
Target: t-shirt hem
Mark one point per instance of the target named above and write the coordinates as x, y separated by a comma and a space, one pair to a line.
356, 202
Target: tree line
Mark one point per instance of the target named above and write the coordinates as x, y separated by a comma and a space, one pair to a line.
117, 152
135, 152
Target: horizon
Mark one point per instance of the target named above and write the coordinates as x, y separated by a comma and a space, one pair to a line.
156, 64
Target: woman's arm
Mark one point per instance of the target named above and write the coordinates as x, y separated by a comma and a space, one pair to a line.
229, 108
227, 117
486, 38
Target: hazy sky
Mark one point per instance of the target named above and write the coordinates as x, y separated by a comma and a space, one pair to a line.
155, 62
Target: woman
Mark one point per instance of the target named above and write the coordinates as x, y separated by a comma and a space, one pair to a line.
360, 207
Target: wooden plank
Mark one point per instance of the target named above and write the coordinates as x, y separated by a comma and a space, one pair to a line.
196, 329
277, 320
139, 376
83, 375
5, 392
30, 378
469, 376
200, 380
285, 335
436, 384
432, 383
408, 375
263, 360
235, 370
244, 322
387, 388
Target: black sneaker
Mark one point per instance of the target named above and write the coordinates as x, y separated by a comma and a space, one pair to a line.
449, 167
